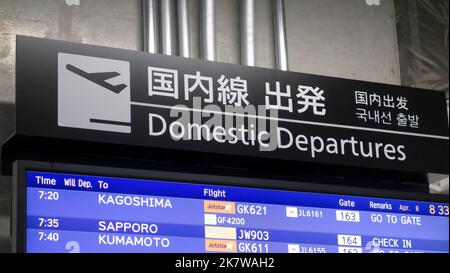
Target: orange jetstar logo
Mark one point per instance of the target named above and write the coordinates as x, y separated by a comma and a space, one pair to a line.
220, 207
220, 245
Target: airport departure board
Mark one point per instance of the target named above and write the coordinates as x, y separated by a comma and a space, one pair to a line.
83, 213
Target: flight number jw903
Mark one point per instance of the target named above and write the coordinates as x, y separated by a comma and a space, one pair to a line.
254, 235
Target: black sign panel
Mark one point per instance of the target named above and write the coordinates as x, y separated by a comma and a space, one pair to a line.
83, 92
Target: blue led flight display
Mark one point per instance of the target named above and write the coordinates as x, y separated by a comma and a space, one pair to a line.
82, 213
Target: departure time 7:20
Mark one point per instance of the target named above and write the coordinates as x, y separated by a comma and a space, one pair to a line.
48, 195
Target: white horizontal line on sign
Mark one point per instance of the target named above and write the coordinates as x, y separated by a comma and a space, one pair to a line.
291, 120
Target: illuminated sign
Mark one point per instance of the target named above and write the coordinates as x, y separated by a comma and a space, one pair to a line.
80, 92
82, 213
